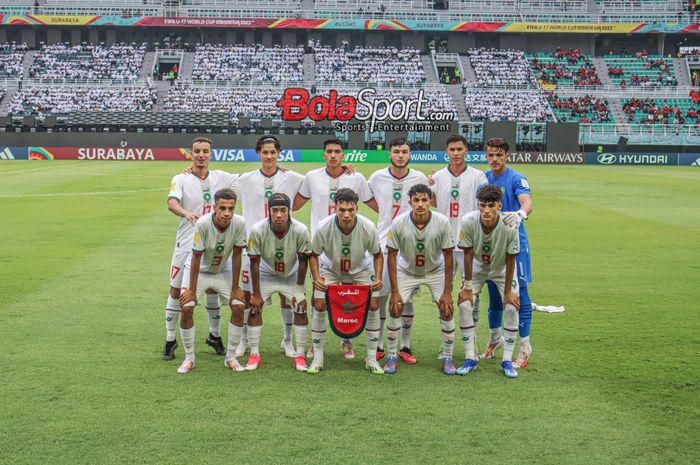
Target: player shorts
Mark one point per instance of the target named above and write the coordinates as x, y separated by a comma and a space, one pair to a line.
479, 279
385, 291
364, 276
177, 267
218, 282
407, 284
270, 284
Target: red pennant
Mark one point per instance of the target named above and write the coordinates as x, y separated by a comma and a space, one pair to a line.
348, 307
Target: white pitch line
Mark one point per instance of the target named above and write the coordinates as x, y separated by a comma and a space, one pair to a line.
63, 194
38, 169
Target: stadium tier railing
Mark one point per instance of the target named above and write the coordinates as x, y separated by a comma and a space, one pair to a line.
520, 5
32, 82
374, 5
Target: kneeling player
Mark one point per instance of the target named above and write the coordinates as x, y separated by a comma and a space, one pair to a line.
347, 247
422, 240
490, 249
278, 248
217, 236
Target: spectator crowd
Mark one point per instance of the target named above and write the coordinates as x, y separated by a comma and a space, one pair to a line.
61, 61
248, 63
571, 65
368, 64
11, 55
62, 100
493, 105
495, 67
584, 109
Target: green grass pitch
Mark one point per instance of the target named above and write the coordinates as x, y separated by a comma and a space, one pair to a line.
83, 280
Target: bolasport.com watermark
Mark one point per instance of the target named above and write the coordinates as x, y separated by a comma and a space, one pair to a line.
370, 111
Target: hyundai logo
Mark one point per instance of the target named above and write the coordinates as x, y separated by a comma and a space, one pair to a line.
607, 158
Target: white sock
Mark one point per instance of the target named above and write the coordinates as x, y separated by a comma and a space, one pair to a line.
496, 335
244, 336
172, 318
393, 327
466, 329
510, 331
407, 326
475, 314
234, 338
372, 330
318, 334
254, 333
211, 302
287, 322
301, 334
525, 342
383, 301
448, 337
187, 336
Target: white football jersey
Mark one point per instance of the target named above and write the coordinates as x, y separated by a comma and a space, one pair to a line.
216, 245
278, 255
420, 250
196, 195
321, 187
490, 247
455, 195
391, 195
346, 253
253, 189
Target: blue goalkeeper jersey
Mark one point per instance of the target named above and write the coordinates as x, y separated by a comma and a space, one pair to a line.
512, 185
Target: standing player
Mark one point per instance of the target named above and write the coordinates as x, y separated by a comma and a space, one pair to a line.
490, 248
422, 241
217, 236
191, 196
254, 188
321, 184
516, 198
390, 187
455, 188
278, 249
347, 247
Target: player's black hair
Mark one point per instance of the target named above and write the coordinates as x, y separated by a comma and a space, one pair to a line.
489, 193
420, 189
498, 143
397, 142
226, 193
278, 199
456, 138
345, 194
332, 141
267, 140
201, 139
